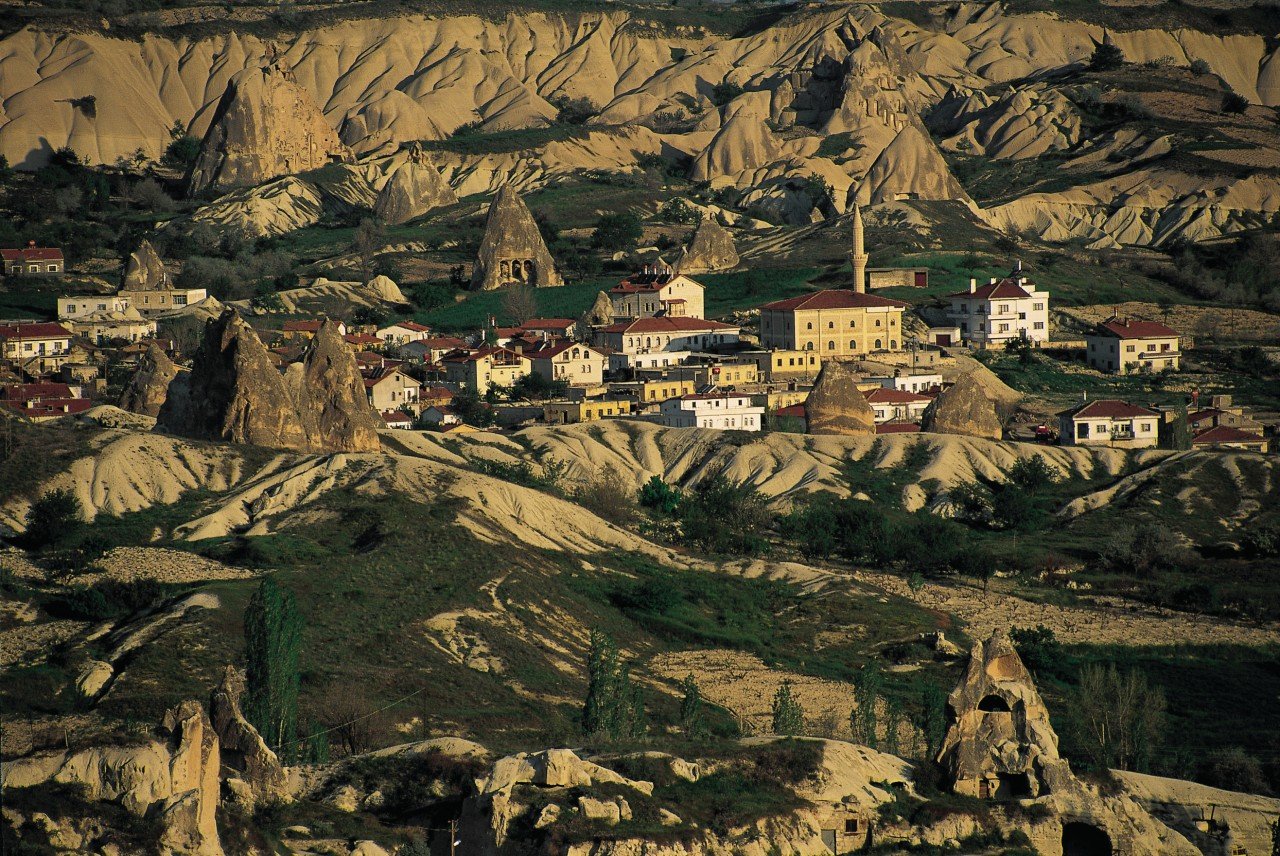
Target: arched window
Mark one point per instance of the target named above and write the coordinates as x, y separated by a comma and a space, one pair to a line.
831, 346
808, 346
809, 326
853, 345
831, 325
853, 325
893, 344
878, 345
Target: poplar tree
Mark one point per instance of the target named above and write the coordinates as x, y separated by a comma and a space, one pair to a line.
866, 693
691, 706
273, 635
788, 716
613, 706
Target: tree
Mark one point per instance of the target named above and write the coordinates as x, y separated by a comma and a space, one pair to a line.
519, 303
1199, 67
866, 694
659, 497
724, 92
613, 707
1032, 474
366, 242
620, 231
53, 519
725, 517
573, 111
863, 532
273, 638
1039, 648
1180, 431
1121, 716
892, 726
472, 410
788, 715
183, 149
691, 706
1106, 57
932, 719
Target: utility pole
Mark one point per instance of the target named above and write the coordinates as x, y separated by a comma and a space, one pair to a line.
453, 838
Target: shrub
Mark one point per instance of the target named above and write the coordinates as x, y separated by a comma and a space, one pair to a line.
725, 92
726, 517
608, 495
106, 601
1106, 57
1032, 474
618, 231
181, 153
788, 715
659, 497
1234, 102
1199, 66
1039, 648
573, 111
53, 519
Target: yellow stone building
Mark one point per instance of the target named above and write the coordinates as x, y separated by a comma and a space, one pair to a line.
834, 323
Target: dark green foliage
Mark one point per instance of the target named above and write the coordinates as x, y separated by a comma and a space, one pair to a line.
1032, 474
273, 634
105, 601
573, 111
472, 410
53, 519
182, 152
788, 715
1120, 717
691, 706
1142, 550
1106, 57
1234, 102
614, 707
724, 92
725, 518
615, 232
864, 533
1199, 66
815, 526
864, 720
535, 387
1262, 541
1040, 650
931, 718
659, 497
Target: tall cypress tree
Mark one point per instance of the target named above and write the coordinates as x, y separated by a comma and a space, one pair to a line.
273, 635
613, 705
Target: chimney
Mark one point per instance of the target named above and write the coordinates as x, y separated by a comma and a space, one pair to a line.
991, 281
973, 284
1084, 395
1017, 265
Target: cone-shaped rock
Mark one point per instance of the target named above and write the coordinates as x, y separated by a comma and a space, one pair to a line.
910, 164
964, 408
413, 189
149, 387
344, 420
144, 271
265, 126
235, 392
711, 249
601, 312
512, 250
836, 406
1001, 742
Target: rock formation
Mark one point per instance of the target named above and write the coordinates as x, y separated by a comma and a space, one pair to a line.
512, 250
236, 394
265, 126
173, 780
601, 312
964, 408
144, 271
149, 386
836, 406
414, 188
1001, 743
711, 249
254, 772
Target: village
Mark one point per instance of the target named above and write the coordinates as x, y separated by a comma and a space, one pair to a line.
647, 351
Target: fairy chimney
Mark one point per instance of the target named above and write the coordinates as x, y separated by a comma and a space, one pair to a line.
512, 251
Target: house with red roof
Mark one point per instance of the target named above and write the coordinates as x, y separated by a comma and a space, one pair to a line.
657, 290
1001, 311
572, 362
1227, 437
1126, 345
402, 333
33, 261
390, 389
431, 349
837, 322
724, 411
484, 368
897, 405
41, 402
303, 330
36, 348
664, 340
1109, 422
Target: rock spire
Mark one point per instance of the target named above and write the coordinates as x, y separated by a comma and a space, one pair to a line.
414, 188
836, 406
711, 249
964, 408
512, 251
149, 386
144, 271
265, 126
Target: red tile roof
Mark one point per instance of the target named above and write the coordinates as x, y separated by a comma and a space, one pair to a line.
410, 325
440, 343
897, 428
28, 391
1129, 329
43, 330
554, 349
883, 395
396, 416
835, 298
32, 254
547, 324
793, 410
302, 326
707, 396
1207, 413
1105, 408
362, 339
669, 325
1225, 434
1000, 289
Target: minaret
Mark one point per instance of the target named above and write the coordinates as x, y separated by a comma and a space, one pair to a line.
859, 255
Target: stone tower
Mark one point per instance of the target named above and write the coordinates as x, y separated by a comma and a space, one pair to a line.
512, 251
859, 255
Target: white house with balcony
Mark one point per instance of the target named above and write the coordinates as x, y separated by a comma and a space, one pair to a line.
724, 411
1125, 345
1001, 311
657, 342
1109, 422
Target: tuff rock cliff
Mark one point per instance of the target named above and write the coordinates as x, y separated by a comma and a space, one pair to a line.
711, 249
265, 126
144, 271
415, 187
964, 408
149, 386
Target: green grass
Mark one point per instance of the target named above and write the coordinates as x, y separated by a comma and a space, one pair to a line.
472, 313
727, 292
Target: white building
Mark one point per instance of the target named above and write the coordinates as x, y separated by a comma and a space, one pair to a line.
720, 410
1001, 311
895, 405
1108, 422
909, 383
402, 333
657, 290
1122, 345
80, 306
666, 337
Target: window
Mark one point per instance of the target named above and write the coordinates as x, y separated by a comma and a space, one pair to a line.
853, 324
1128, 349
853, 346
878, 345
1039, 325
1082, 429
809, 326
1144, 427
831, 325
831, 346
1037, 307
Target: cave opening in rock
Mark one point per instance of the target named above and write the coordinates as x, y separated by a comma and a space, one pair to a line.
993, 704
1084, 839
